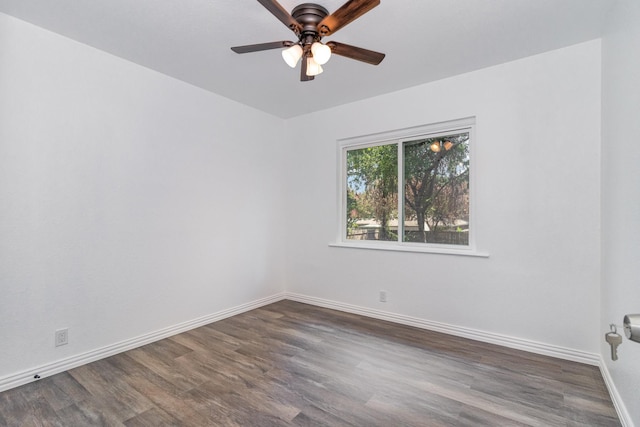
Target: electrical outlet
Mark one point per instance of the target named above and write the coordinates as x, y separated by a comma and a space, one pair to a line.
62, 337
383, 296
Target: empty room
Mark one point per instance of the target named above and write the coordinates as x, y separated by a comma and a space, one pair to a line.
340, 213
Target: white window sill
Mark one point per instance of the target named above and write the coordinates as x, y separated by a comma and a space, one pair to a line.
391, 246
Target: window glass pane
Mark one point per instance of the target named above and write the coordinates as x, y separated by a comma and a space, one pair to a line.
372, 193
436, 190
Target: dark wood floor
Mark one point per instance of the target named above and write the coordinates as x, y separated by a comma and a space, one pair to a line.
295, 364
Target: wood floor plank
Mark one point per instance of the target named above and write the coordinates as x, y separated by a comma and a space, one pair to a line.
153, 417
475, 417
63, 390
89, 413
292, 364
108, 390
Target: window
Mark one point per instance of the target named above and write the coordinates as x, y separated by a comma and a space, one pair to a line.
409, 189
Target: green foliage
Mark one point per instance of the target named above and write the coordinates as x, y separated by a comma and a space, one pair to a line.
372, 178
352, 210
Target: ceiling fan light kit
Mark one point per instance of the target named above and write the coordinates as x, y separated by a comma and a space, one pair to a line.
292, 55
313, 68
321, 52
311, 22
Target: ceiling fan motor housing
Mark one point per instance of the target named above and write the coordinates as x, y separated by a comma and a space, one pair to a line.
309, 15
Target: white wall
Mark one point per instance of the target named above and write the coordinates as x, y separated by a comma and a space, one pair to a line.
129, 201
537, 167
621, 192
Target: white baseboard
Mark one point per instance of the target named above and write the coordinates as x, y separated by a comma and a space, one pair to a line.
621, 409
474, 334
62, 365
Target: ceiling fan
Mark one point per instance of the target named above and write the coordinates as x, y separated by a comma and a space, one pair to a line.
311, 22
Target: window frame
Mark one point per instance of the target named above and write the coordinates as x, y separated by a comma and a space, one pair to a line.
400, 137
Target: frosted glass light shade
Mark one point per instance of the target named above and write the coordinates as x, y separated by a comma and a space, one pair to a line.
292, 55
321, 53
313, 68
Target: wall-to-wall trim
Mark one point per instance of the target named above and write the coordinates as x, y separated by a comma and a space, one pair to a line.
621, 409
65, 364
474, 334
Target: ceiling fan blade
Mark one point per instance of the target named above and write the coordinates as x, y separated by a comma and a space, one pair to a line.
261, 46
303, 70
357, 53
348, 12
281, 13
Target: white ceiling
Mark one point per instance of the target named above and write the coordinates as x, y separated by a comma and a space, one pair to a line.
424, 40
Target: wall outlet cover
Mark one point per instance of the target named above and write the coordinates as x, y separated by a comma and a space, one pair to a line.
62, 337
383, 296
